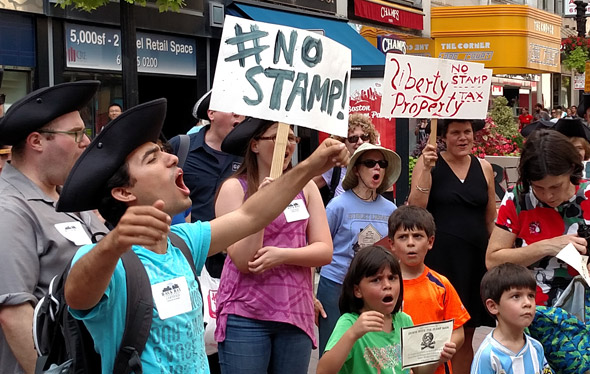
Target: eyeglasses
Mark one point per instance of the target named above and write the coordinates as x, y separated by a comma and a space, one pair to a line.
355, 138
371, 163
2, 99
78, 135
291, 139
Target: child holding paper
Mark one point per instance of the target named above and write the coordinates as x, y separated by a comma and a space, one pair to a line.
508, 292
428, 295
367, 336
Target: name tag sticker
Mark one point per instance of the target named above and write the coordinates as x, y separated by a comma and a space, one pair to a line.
74, 232
172, 297
296, 211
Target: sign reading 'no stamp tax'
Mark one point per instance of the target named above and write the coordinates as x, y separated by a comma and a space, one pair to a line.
282, 74
422, 87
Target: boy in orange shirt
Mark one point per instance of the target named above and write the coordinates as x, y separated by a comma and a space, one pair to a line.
428, 295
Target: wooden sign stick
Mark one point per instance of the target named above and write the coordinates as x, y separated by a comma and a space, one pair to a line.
278, 156
432, 138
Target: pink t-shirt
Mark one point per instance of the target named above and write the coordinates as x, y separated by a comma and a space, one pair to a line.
280, 294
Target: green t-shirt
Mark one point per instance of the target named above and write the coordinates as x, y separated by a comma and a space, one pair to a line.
376, 352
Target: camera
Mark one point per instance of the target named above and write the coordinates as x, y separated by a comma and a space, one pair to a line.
584, 232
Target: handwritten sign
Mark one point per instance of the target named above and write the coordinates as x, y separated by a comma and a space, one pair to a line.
422, 87
282, 74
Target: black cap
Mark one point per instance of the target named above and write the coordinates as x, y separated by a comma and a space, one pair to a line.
539, 124
107, 152
236, 142
42, 106
202, 106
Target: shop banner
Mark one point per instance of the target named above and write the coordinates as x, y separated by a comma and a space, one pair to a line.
422, 87
282, 74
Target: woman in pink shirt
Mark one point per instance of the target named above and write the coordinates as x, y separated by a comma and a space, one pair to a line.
265, 313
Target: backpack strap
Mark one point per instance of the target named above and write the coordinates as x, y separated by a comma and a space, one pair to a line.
138, 319
182, 151
336, 172
179, 243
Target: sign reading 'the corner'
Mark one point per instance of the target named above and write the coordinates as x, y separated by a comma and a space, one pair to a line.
91, 47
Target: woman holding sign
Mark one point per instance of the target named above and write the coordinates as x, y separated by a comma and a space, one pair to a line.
265, 312
457, 188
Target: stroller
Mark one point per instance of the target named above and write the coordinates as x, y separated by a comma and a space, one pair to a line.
564, 329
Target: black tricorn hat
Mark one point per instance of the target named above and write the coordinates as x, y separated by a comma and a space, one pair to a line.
42, 106
573, 127
202, 106
238, 139
537, 125
107, 152
585, 104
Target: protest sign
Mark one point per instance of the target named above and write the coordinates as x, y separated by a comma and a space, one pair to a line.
422, 87
282, 74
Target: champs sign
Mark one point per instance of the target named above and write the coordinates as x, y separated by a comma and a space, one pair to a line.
422, 87
282, 74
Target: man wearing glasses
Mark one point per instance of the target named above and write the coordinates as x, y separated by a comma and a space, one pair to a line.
47, 135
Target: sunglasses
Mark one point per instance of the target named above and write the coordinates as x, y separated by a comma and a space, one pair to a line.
371, 163
2, 99
355, 138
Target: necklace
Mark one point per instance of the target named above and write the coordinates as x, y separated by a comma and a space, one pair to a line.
370, 198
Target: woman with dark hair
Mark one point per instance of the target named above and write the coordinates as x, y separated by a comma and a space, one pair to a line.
458, 189
543, 213
265, 311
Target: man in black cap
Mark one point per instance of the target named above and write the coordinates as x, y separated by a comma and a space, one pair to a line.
137, 187
47, 135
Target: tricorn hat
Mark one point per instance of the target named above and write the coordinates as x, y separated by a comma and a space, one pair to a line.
107, 152
202, 106
392, 171
238, 139
573, 127
42, 106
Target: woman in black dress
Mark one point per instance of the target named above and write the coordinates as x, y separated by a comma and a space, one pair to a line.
458, 189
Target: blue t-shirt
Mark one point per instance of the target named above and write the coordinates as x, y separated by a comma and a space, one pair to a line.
175, 344
354, 224
493, 358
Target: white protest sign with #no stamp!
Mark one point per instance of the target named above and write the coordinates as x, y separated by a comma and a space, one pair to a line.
423, 87
282, 74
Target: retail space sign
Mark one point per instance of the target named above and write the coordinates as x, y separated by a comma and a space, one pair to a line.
579, 81
569, 8
389, 13
92, 47
422, 87
282, 74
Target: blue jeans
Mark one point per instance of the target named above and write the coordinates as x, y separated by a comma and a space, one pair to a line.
253, 346
328, 295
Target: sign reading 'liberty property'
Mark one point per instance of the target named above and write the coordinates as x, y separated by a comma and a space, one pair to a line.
422, 87
282, 74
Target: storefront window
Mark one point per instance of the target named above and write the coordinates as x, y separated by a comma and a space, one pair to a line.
15, 85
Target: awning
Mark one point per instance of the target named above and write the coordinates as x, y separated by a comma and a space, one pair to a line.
365, 57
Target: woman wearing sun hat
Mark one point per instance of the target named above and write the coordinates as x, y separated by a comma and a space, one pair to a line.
357, 218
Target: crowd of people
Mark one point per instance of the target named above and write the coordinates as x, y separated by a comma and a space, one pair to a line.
447, 254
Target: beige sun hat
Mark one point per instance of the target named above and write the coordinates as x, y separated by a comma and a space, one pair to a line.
391, 173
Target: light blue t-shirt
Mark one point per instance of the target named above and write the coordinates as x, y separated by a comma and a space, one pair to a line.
354, 224
493, 358
176, 344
